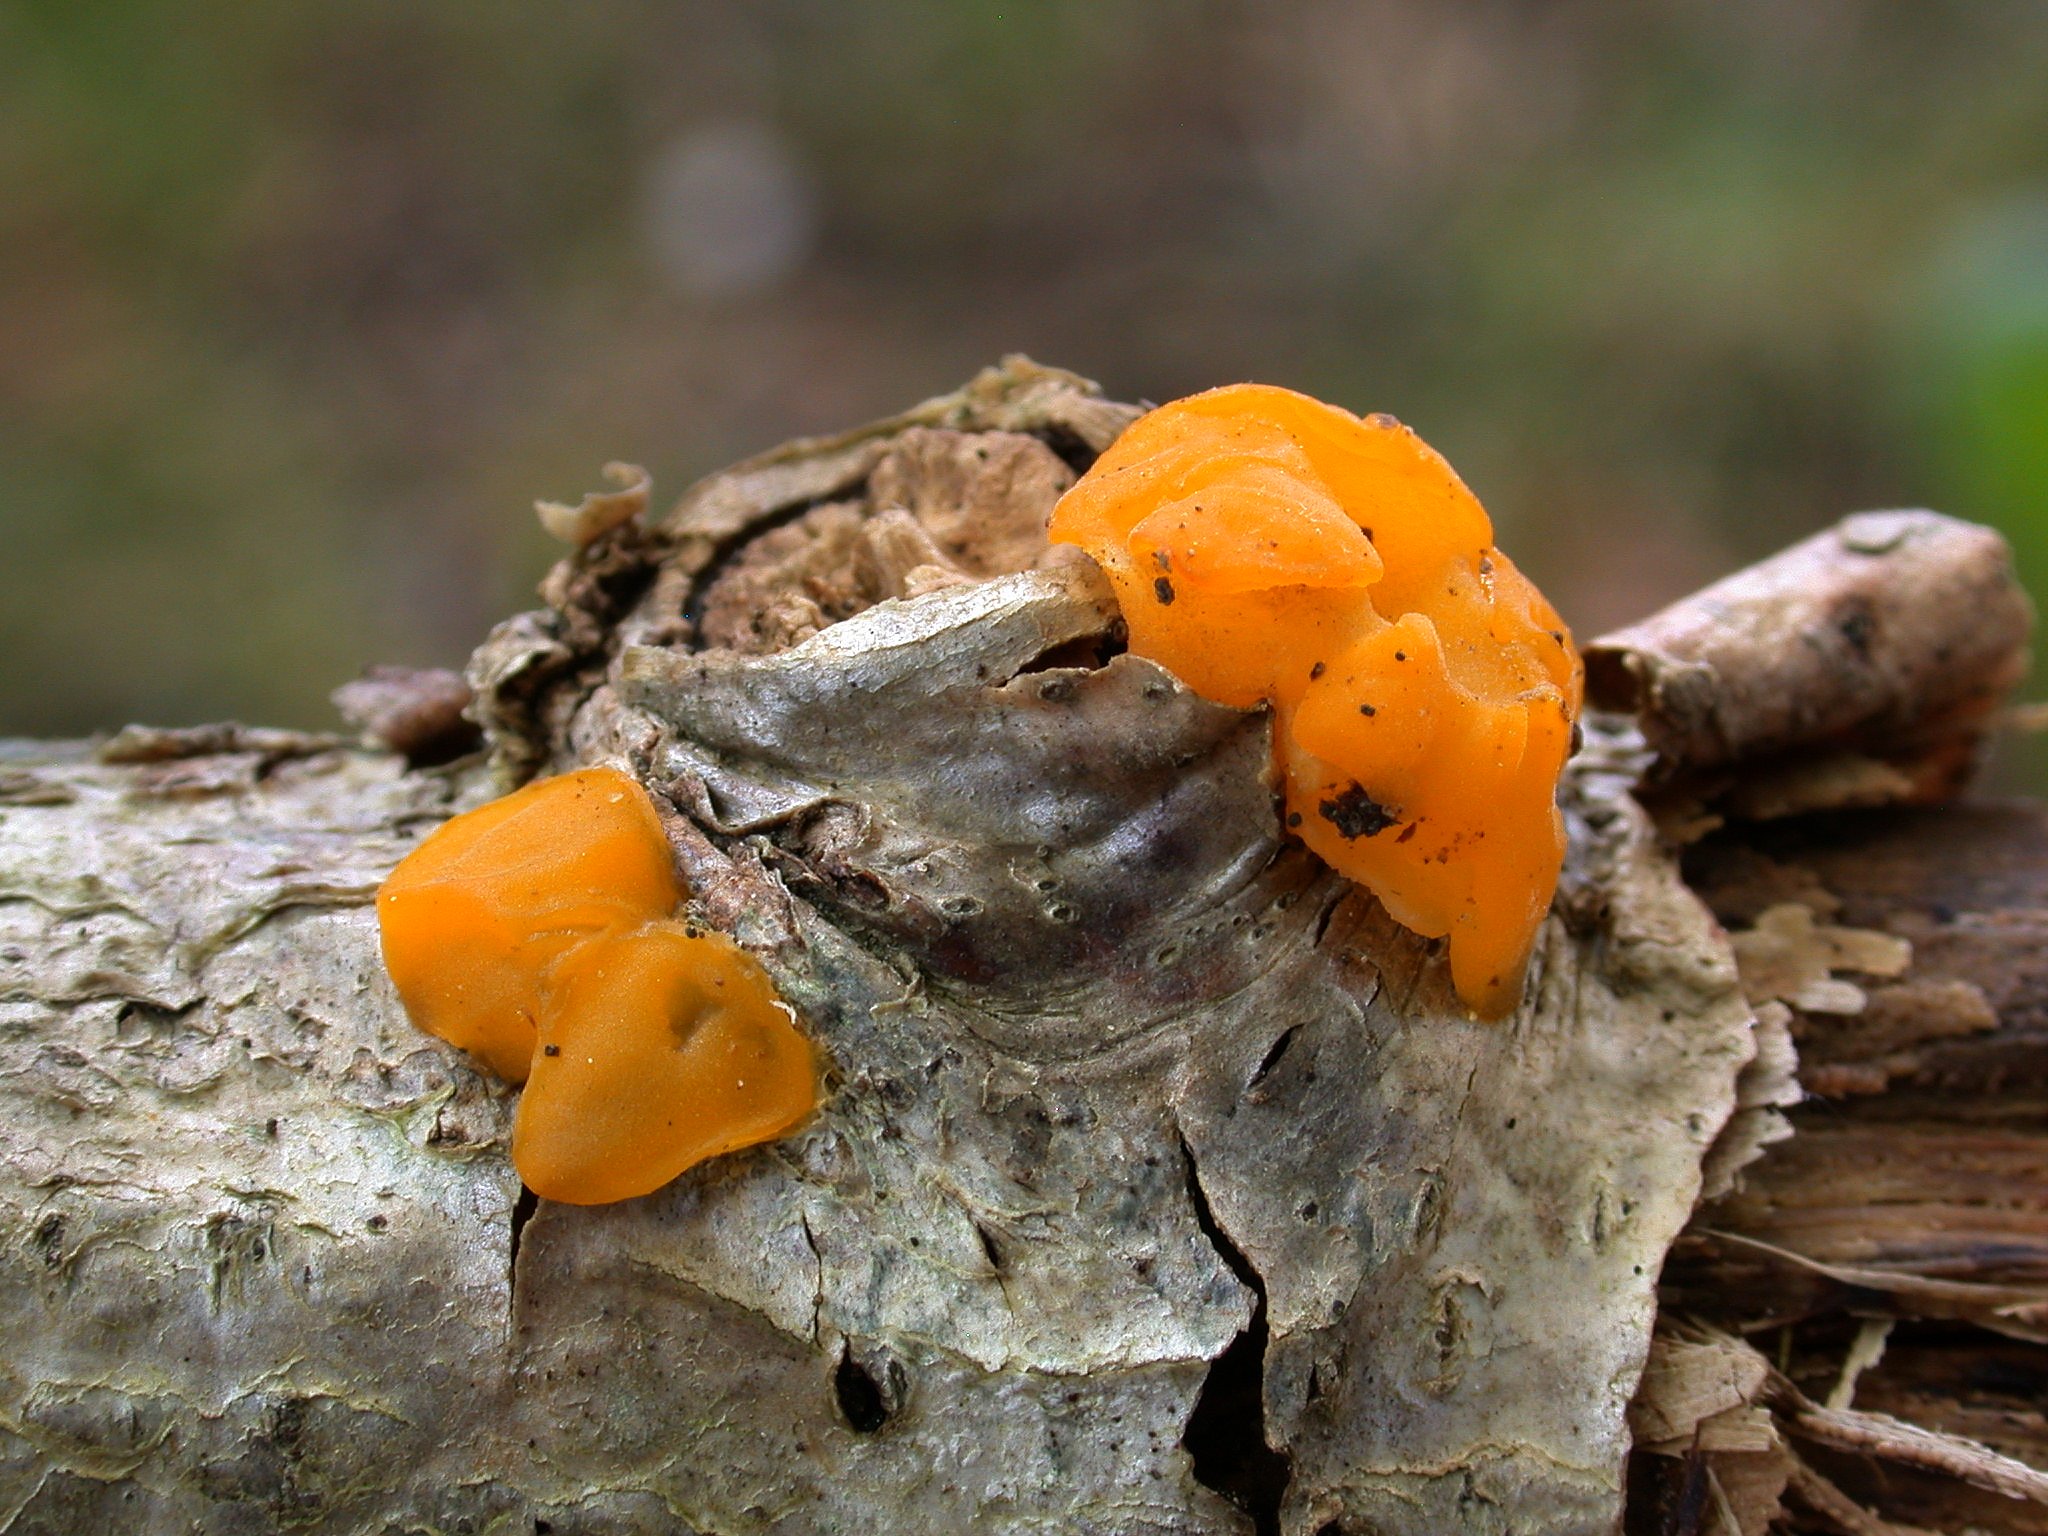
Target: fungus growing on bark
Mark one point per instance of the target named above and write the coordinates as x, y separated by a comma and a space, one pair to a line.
534, 933
1157, 1170
1266, 547
474, 918
662, 1046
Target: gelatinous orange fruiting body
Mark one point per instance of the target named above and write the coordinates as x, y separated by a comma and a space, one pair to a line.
668, 1046
534, 933
1267, 547
474, 917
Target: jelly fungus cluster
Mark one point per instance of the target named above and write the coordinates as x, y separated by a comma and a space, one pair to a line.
1266, 547
536, 934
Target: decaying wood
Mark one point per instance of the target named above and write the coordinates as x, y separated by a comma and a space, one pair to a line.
1160, 1183
1885, 1241
1910, 1201
1860, 667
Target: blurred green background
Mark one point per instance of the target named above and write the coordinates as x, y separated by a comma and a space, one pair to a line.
302, 306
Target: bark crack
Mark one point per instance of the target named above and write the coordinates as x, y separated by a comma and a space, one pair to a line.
523, 1210
1225, 1436
818, 1289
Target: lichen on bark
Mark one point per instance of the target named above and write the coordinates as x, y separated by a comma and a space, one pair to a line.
1160, 1182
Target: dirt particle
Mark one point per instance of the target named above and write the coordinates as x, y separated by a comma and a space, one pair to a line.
1356, 814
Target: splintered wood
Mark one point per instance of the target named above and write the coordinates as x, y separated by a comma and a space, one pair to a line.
1884, 1243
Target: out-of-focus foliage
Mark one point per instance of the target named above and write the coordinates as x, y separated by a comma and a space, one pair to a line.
301, 306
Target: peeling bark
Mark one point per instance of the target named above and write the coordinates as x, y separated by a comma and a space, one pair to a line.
416, 712
1160, 1186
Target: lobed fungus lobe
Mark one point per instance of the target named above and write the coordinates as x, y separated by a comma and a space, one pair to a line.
535, 933
665, 1045
473, 919
1268, 548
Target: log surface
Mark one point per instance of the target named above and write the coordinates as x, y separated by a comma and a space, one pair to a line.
1160, 1185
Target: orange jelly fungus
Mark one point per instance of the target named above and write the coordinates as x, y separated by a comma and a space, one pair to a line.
534, 933
669, 1046
1268, 547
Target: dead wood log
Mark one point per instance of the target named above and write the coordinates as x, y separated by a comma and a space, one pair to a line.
1160, 1185
1855, 1326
